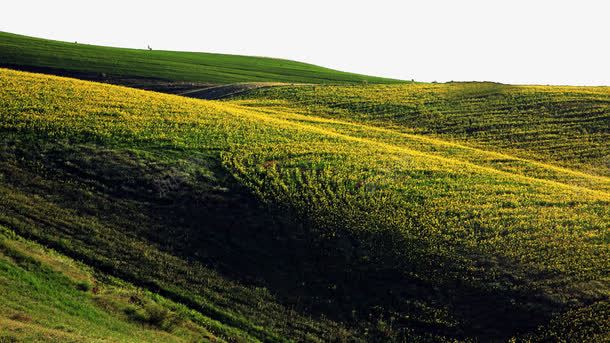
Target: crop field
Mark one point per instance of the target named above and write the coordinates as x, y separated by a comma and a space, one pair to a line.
90, 61
469, 212
565, 126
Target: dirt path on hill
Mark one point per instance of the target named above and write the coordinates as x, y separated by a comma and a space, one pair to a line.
225, 91
199, 90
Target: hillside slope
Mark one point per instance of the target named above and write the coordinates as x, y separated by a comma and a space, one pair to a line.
90, 62
564, 126
279, 225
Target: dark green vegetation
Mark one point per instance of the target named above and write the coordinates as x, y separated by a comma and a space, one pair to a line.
90, 62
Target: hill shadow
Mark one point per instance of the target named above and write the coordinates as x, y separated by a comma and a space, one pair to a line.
209, 218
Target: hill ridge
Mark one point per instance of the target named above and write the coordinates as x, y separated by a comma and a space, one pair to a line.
21, 51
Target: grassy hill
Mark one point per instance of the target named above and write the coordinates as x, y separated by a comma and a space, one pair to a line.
269, 223
90, 62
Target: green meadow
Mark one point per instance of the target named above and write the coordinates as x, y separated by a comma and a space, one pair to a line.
64, 57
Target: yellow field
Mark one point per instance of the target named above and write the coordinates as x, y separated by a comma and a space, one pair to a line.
456, 222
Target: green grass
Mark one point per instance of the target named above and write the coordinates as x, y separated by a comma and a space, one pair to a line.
49, 297
23, 51
280, 225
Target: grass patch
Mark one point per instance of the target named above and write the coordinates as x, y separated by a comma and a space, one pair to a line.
40, 302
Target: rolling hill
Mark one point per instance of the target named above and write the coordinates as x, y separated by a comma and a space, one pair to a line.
304, 213
154, 69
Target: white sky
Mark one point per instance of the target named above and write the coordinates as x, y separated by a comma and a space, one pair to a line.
533, 41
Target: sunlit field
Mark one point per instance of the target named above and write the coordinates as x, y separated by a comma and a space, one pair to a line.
309, 213
566, 126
